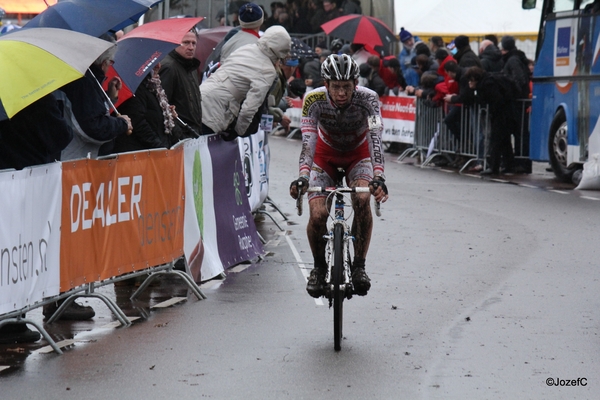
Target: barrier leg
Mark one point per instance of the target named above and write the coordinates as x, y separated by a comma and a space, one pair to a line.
37, 326
270, 201
270, 216
170, 271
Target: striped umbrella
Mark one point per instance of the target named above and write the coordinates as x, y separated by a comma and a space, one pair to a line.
360, 29
37, 61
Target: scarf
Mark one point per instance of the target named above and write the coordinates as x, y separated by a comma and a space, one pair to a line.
154, 85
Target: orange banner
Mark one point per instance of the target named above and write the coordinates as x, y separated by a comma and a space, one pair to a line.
120, 215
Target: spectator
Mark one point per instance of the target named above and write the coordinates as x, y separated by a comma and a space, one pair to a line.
152, 117
299, 15
436, 43
318, 17
336, 46
359, 54
406, 54
391, 73
374, 81
331, 10
498, 92
322, 45
86, 102
179, 77
457, 101
251, 18
235, 93
276, 8
350, 7
491, 57
465, 56
493, 38
311, 72
516, 68
33, 136
285, 70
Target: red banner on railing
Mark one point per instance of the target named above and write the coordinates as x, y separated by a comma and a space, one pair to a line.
120, 215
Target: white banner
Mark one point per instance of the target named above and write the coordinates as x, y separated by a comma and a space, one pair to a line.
398, 114
200, 233
29, 235
255, 156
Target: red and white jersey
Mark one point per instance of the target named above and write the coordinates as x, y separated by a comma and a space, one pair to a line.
343, 129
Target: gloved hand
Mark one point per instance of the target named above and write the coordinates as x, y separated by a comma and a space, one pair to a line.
299, 187
379, 189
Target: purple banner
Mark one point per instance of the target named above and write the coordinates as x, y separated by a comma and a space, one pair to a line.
236, 233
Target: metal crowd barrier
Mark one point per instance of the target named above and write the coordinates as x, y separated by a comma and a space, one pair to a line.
89, 290
433, 139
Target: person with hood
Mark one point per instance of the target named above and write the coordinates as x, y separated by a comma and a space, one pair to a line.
465, 56
234, 95
490, 56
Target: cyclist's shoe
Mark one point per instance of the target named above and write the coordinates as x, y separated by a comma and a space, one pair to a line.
360, 281
316, 283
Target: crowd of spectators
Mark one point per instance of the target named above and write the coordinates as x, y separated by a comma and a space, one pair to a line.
260, 75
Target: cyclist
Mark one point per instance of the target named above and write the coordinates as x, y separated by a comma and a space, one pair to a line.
341, 127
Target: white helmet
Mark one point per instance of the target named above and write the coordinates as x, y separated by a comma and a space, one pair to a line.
339, 68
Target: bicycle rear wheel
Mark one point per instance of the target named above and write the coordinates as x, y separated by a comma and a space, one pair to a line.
337, 272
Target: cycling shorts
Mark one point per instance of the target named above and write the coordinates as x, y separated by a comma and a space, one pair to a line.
357, 164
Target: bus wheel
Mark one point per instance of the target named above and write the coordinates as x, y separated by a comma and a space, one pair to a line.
557, 147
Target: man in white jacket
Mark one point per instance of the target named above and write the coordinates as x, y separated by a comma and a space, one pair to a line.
232, 96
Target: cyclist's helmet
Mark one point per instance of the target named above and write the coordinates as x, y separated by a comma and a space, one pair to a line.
339, 68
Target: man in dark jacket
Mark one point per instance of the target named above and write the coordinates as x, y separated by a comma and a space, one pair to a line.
33, 136
491, 57
465, 56
179, 76
498, 92
516, 67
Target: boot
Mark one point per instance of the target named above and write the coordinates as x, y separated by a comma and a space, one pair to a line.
360, 279
316, 282
75, 312
18, 333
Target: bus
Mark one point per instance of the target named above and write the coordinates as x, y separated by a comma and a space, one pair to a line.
565, 108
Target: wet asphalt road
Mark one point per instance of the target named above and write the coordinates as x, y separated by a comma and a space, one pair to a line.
481, 289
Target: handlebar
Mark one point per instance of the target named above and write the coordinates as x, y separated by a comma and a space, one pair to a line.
320, 189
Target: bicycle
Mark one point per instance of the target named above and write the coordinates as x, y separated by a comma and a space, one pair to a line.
338, 285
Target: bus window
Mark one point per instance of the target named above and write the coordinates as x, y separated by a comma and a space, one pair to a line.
562, 5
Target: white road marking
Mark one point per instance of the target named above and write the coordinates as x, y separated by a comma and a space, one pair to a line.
303, 268
589, 198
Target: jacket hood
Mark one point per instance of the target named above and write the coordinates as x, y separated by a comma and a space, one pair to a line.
275, 43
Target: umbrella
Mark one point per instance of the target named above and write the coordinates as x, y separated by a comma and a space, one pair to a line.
93, 17
361, 29
142, 48
301, 50
37, 61
208, 39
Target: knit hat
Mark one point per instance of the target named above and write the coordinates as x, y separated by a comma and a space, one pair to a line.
404, 35
508, 43
250, 16
461, 42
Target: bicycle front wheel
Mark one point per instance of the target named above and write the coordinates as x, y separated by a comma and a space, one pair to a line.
337, 272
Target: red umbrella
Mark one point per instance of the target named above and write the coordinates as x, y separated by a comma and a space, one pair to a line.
143, 47
357, 28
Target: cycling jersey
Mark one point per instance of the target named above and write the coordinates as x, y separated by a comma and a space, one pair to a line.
343, 130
